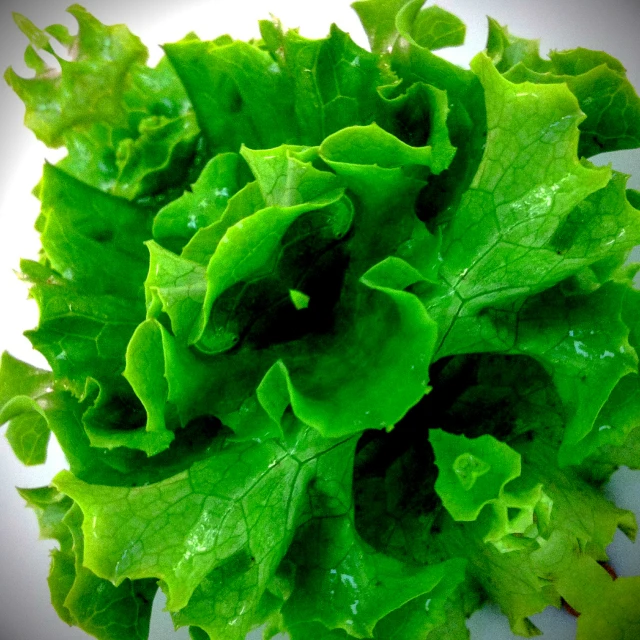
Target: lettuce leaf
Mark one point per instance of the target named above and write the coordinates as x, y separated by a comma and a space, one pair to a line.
138, 130
78, 595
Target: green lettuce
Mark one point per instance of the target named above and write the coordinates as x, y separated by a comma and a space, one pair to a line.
343, 342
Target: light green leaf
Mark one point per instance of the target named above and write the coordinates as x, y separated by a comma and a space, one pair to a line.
83, 335
472, 473
529, 181
380, 20
153, 146
176, 286
372, 145
21, 379
287, 178
607, 607
92, 239
145, 373
598, 81
585, 364
507, 50
23, 399
248, 100
249, 248
339, 389
334, 81
135, 136
385, 187
241, 205
432, 27
345, 584
84, 91
300, 300
80, 598
441, 615
223, 176
146, 164
218, 509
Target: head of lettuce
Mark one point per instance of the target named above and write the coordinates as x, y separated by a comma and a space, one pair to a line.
343, 342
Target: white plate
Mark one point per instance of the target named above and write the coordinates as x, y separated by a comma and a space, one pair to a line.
613, 26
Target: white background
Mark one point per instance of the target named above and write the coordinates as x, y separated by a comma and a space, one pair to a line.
614, 26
